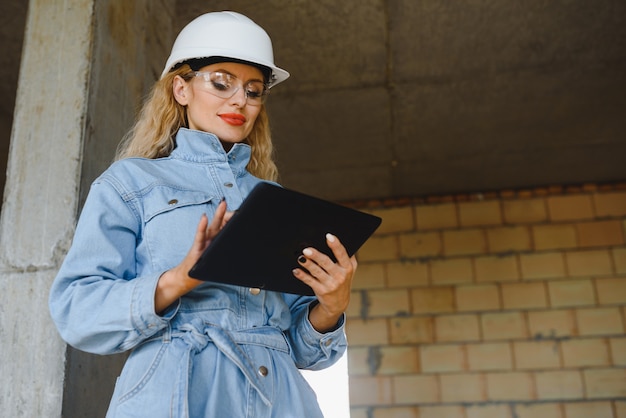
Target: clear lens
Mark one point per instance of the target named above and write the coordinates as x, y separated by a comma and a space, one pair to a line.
225, 86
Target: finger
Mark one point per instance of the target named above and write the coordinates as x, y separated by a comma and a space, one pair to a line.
354, 262
216, 222
312, 261
320, 263
308, 279
339, 251
227, 216
200, 237
204, 221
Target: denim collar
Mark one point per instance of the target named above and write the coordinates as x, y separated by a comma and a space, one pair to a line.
204, 147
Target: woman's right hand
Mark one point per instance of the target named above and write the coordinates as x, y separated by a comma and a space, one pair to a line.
176, 282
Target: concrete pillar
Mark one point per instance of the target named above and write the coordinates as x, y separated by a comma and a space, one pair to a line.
85, 65
40, 201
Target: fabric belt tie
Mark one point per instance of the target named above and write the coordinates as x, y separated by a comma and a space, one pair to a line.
197, 335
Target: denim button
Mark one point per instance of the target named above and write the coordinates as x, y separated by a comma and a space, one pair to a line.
229, 185
263, 371
172, 202
328, 341
255, 290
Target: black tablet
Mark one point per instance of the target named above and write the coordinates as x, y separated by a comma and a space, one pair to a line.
261, 243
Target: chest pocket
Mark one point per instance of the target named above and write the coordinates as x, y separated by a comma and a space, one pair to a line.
166, 199
171, 218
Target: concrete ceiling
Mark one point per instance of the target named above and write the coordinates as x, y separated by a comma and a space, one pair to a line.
395, 98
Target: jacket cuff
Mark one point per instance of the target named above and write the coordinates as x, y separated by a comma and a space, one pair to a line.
330, 341
146, 321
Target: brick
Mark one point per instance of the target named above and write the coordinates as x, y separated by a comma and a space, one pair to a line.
610, 204
542, 265
588, 263
537, 410
552, 385
442, 358
399, 360
439, 216
569, 293
367, 332
449, 328
605, 383
388, 303
420, 244
433, 300
406, 274
395, 219
508, 239
464, 242
412, 330
619, 258
476, 298
396, 412
588, 410
524, 295
496, 269
588, 352
509, 386
503, 326
489, 411
356, 304
416, 389
365, 391
552, 324
358, 361
441, 412
600, 234
369, 276
524, 211
599, 321
554, 237
480, 213
451, 271
536, 355
377, 248
462, 387
489, 356
611, 291
569, 207
618, 351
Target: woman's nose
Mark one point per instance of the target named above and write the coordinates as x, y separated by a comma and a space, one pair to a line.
239, 98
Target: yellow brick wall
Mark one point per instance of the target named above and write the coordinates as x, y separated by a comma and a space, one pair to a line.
506, 305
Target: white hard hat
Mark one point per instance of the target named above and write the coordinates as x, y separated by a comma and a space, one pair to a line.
228, 35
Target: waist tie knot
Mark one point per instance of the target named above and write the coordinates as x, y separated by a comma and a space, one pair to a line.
197, 335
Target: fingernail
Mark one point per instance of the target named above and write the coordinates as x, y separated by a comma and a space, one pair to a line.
307, 251
330, 237
302, 259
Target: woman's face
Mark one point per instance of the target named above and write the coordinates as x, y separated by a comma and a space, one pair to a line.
231, 119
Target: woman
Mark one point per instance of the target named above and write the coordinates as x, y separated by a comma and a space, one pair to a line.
200, 349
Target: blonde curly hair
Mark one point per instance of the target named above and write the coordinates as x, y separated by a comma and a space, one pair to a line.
153, 133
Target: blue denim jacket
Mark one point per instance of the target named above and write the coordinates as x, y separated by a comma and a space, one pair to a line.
219, 351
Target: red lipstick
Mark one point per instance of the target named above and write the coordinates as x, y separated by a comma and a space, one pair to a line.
235, 119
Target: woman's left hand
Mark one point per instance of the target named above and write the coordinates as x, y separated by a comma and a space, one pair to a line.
330, 281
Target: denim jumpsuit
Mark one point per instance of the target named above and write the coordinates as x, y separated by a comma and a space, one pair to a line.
220, 350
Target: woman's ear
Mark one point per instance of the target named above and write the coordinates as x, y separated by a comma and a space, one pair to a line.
179, 89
